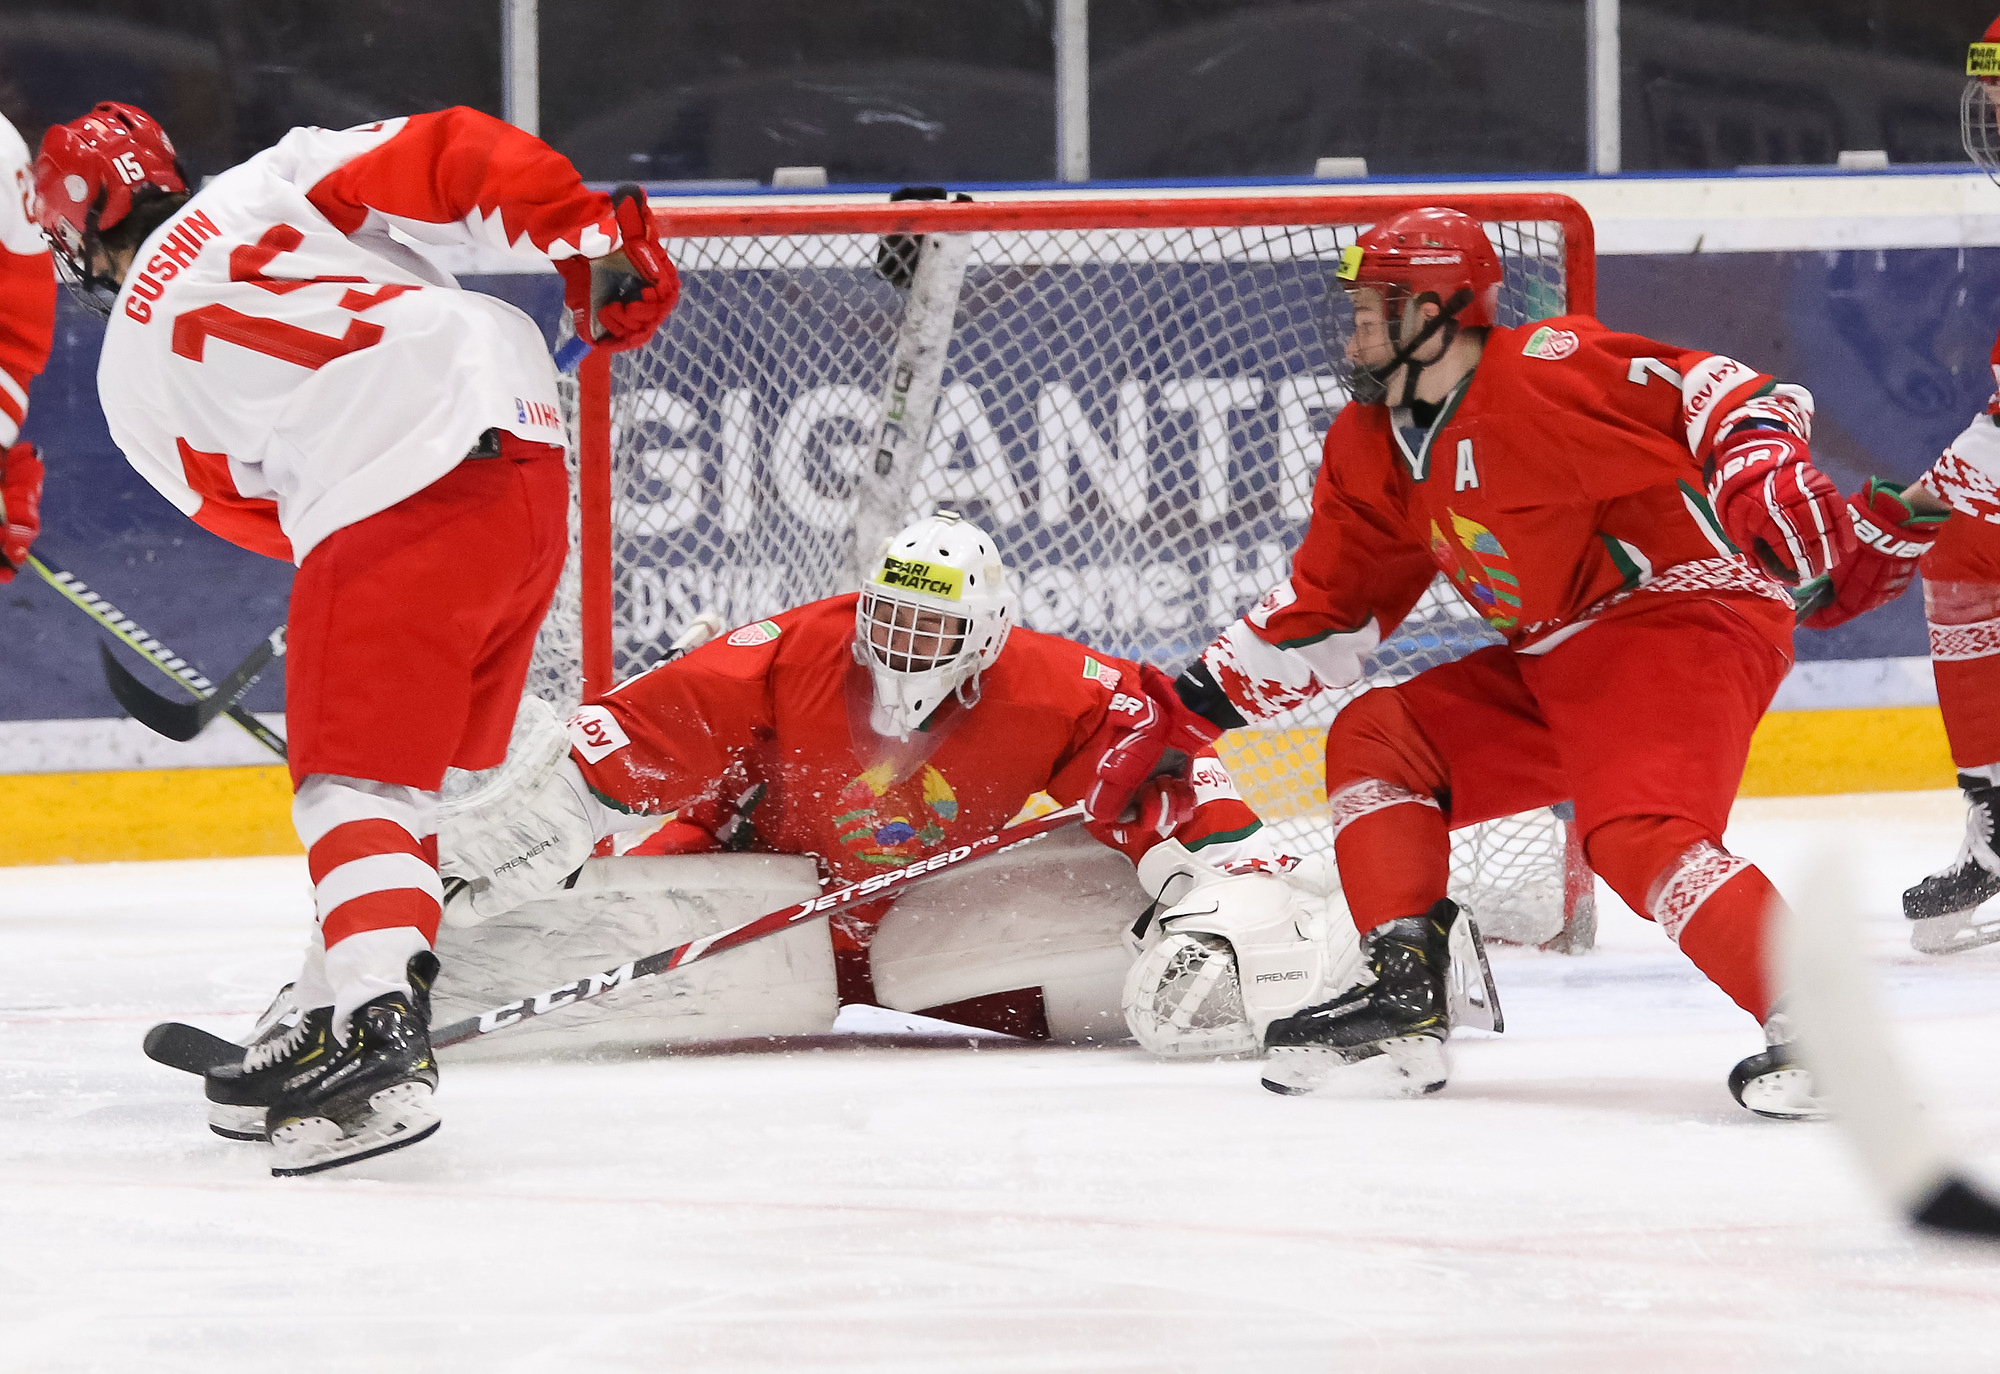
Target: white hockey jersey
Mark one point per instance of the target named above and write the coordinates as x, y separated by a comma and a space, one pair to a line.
279, 366
27, 288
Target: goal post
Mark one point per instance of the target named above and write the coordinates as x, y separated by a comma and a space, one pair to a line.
1131, 401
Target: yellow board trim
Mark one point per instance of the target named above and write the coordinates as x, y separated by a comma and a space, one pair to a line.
1793, 754
204, 813
156, 813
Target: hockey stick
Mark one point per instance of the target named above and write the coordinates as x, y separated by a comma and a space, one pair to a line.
193, 1050
127, 630
1843, 1037
184, 720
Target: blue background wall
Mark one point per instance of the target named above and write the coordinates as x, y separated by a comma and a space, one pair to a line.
1894, 345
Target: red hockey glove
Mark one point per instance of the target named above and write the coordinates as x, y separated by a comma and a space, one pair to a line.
20, 506
1776, 505
1890, 538
617, 304
1143, 724
1163, 804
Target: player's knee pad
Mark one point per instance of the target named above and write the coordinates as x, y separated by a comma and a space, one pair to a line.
1048, 916
1232, 952
624, 909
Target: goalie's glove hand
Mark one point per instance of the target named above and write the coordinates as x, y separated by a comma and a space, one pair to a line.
20, 506
618, 300
1774, 504
1142, 724
1890, 538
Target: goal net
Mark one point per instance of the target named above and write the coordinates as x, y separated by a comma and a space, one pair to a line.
1129, 395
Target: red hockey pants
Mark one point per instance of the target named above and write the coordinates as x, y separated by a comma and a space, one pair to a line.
1644, 721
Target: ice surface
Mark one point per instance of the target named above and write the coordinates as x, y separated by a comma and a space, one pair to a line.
1584, 1196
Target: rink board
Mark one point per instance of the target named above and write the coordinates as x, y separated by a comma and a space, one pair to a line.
207, 813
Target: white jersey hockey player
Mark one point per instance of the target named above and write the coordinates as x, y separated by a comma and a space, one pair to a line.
298, 381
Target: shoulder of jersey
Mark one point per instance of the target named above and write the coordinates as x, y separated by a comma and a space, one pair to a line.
13, 148
1038, 667
801, 627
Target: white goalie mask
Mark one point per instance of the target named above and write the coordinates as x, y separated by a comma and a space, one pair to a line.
935, 611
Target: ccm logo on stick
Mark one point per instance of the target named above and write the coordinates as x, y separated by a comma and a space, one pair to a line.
581, 990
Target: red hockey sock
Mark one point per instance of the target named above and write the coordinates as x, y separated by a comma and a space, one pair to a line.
1394, 860
1712, 903
1728, 934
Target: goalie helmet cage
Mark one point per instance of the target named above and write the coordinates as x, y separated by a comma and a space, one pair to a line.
1131, 402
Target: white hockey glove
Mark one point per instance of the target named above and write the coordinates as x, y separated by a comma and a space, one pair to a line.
525, 831
1231, 952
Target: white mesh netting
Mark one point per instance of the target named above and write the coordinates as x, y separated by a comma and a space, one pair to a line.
1134, 414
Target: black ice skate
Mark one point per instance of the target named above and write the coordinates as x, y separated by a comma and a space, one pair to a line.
343, 1103
1945, 906
1403, 1013
242, 1090
1773, 1083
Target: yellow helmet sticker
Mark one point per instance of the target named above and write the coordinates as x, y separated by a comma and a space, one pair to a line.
1350, 263
908, 574
1983, 59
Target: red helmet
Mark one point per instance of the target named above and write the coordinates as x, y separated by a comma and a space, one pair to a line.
1420, 257
90, 174
1979, 108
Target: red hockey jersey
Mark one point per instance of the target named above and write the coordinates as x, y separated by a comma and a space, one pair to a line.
27, 288
783, 704
1562, 477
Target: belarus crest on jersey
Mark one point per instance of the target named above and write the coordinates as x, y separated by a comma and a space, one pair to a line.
893, 823
1478, 564
1551, 344
763, 632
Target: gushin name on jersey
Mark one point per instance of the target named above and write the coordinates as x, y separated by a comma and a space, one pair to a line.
178, 249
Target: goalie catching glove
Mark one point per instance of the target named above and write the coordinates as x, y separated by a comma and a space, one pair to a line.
617, 301
527, 829
1228, 952
1890, 540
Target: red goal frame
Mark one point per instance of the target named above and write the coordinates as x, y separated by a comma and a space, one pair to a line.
594, 398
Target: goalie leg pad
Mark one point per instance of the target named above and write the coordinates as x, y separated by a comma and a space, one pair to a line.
1048, 916
622, 909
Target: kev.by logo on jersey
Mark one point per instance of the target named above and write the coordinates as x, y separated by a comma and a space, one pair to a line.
595, 732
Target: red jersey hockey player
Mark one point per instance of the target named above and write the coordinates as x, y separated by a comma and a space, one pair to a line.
873, 731
27, 328
303, 384
1588, 492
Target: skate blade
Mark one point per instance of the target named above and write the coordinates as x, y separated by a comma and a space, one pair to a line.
1950, 933
1408, 1066
1784, 1095
398, 1116
237, 1123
